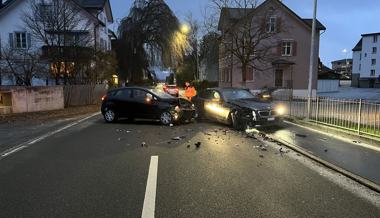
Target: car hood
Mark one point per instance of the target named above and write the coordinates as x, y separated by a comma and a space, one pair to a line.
251, 104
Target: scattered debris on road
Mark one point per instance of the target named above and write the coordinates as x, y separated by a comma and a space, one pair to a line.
188, 146
326, 150
262, 156
301, 135
198, 144
176, 138
143, 144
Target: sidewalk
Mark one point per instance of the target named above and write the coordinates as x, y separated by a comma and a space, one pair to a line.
18, 128
355, 157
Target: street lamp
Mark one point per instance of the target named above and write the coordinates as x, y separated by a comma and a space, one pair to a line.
312, 57
185, 28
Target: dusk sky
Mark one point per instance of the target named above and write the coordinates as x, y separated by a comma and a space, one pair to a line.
345, 20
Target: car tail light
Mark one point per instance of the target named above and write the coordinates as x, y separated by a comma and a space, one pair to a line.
104, 97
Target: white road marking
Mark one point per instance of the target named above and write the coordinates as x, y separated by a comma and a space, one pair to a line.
13, 151
38, 139
151, 186
337, 137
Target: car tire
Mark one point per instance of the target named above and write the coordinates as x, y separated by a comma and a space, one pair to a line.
110, 116
166, 118
235, 122
130, 119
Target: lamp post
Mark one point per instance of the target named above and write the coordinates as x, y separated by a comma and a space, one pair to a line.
312, 57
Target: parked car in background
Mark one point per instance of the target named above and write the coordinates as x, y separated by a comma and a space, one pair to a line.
137, 102
172, 90
237, 107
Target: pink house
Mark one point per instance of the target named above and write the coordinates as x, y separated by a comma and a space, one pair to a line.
275, 52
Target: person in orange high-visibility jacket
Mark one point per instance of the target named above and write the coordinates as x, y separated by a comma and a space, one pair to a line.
190, 91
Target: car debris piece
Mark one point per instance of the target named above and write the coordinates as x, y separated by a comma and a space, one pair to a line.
188, 146
264, 149
171, 125
301, 135
326, 150
176, 138
198, 144
143, 144
262, 156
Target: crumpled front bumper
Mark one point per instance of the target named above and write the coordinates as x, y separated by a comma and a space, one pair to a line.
184, 115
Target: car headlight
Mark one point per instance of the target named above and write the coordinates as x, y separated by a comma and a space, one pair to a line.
280, 110
177, 109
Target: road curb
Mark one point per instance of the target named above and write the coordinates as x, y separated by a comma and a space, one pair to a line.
369, 184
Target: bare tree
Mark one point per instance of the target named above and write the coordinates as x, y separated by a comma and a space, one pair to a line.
23, 65
149, 32
66, 37
249, 39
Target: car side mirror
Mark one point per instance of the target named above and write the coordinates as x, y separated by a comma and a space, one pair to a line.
149, 98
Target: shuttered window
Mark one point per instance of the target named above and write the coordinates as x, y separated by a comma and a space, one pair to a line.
288, 48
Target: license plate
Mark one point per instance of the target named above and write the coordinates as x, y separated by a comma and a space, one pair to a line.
271, 119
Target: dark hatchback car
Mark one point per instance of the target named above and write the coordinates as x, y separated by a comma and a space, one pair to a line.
237, 107
144, 103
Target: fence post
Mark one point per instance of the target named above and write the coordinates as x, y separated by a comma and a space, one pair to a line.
317, 111
359, 115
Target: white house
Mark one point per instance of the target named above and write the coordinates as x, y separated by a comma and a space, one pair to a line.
95, 18
366, 62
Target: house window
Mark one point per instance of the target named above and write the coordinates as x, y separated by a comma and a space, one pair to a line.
360, 57
373, 61
374, 50
44, 11
360, 67
374, 38
365, 55
20, 40
271, 25
373, 72
287, 49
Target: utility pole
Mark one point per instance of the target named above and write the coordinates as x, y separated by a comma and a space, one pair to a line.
312, 57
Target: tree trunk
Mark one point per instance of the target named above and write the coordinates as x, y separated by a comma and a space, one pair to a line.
244, 72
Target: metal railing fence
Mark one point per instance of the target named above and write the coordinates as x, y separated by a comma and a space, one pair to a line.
354, 115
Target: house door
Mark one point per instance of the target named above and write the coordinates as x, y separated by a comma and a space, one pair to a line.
279, 75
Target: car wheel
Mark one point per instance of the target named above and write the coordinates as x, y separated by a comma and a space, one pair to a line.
235, 121
110, 116
166, 118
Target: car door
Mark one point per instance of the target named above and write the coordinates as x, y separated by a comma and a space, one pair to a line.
146, 105
123, 102
214, 106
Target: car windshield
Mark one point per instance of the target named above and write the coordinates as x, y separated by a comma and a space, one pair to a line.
160, 93
231, 94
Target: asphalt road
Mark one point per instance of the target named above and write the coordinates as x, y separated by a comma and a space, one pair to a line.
354, 157
101, 170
